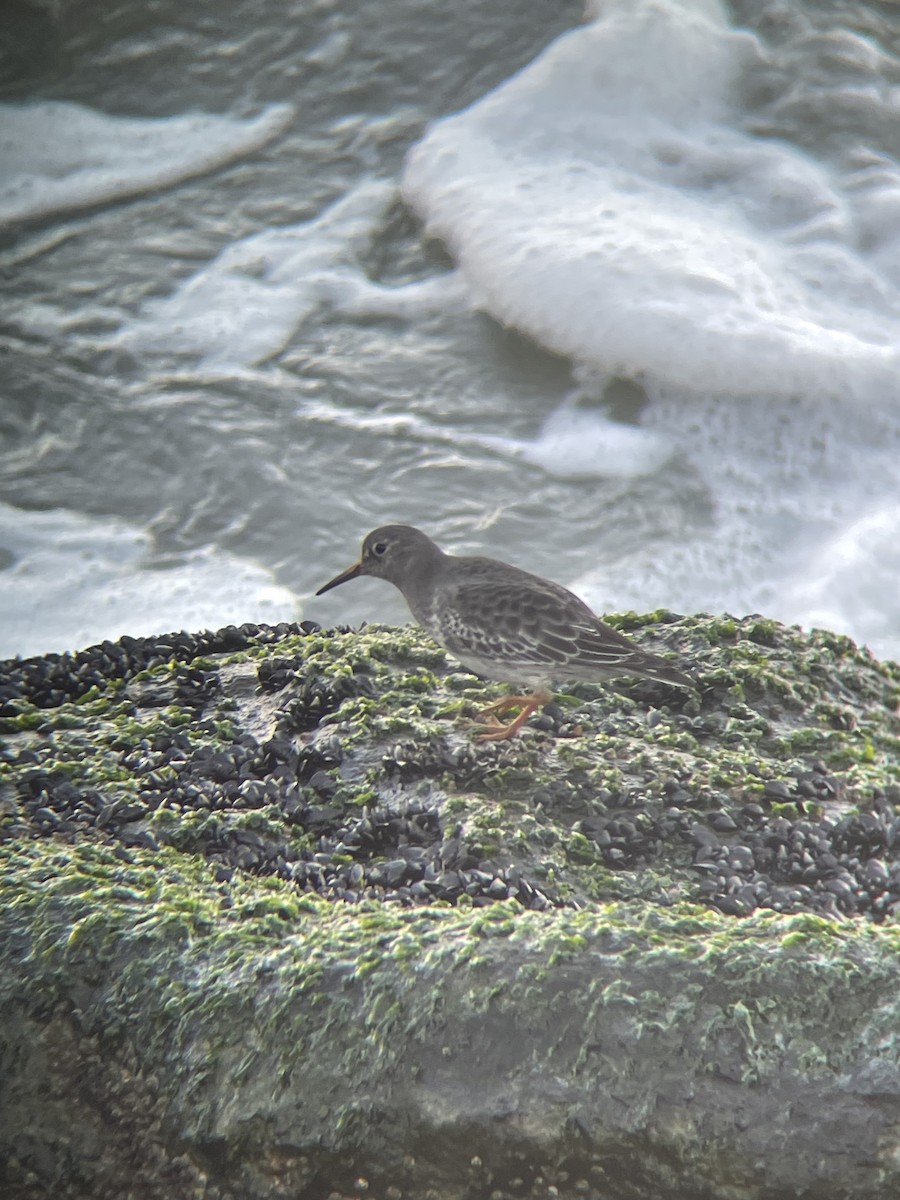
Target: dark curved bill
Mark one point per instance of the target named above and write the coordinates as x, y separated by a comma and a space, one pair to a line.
350, 573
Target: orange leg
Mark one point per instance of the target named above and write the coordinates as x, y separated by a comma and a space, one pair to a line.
498, 732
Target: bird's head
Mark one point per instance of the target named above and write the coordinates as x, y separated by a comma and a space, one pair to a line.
396, 553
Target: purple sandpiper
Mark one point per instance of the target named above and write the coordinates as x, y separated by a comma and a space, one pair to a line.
501, 622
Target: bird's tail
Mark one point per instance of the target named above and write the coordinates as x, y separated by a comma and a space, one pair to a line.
652, 667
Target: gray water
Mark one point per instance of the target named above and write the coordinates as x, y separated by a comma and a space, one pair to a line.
280, 466
224, 463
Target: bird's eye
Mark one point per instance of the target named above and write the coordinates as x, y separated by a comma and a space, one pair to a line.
379, 548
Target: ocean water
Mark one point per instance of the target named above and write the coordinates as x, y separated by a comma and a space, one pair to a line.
613, 294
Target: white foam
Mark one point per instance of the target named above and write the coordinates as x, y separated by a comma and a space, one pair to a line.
245, 306
573, 443
67, 581
851, 583
607, 201
59, 157
579, 443
616, 201
774, 525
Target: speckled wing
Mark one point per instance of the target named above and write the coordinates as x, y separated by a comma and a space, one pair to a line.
520, 627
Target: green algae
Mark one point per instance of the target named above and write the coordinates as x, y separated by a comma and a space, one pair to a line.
157, 927
772, 714
399, 709
404, 671
252, 1001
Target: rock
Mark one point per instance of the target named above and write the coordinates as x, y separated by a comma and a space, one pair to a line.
270, 942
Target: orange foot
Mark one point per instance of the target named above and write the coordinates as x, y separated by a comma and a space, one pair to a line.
498, 732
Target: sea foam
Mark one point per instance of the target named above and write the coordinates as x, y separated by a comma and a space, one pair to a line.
607, 201
573, 443
59, 157
244, 307
69, 581
616, 201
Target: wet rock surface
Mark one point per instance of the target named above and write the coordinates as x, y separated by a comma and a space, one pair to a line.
289, 781
149, 742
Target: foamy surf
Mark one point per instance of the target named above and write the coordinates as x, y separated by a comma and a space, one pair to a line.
573, 443
616, 201
245, 306
59, 157
609, 202
69, 581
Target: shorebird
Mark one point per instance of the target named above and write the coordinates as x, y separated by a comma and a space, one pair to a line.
501, 622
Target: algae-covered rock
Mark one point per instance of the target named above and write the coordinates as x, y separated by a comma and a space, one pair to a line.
273, 923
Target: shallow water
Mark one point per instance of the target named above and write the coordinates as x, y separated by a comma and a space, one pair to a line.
629, 318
